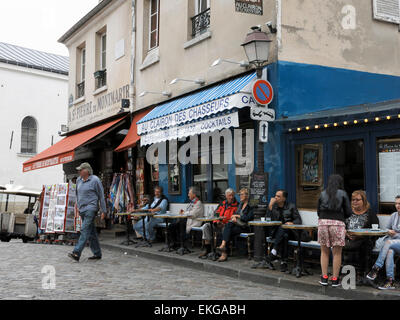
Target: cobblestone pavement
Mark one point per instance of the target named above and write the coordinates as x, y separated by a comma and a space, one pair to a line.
118, 276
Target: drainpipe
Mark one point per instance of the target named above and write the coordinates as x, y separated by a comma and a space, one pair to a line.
133, 49
278, 27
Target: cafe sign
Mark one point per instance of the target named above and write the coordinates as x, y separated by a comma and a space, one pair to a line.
103, 107
249, 6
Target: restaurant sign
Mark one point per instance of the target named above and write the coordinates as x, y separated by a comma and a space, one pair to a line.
105, 106
249, 6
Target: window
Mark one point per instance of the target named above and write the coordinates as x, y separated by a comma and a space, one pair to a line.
387, 10
201, 20
154, 23
28, 135
83, 64
103, 49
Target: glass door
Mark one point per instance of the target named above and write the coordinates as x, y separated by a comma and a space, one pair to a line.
349, 162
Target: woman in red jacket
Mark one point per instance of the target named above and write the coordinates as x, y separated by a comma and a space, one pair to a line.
225, 210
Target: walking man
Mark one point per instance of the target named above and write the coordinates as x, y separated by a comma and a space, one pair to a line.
90, 194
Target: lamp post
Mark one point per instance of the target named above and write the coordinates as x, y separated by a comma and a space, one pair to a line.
257, 46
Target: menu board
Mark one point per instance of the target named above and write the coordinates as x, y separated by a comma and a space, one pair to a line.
389, 170
259, 189
58, 208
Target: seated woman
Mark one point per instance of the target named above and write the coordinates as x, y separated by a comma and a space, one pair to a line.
238, 224
391, 246
362, 217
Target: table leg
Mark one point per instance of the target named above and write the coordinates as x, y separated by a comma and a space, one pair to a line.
128, 241
182, 230
145, 242
299, 270
213, 254
263, 263
167, 247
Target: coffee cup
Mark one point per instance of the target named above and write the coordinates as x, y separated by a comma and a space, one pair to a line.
375, 226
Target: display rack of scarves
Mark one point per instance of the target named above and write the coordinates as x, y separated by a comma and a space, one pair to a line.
121, 196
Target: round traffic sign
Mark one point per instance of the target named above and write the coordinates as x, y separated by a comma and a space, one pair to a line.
263, 92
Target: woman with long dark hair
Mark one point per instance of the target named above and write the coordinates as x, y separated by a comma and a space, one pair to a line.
333, 209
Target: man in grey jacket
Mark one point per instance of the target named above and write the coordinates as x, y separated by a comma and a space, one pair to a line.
90, 194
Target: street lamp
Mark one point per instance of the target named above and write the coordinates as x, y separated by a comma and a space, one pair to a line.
256, 46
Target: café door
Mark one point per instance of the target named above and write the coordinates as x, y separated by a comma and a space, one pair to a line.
349, 162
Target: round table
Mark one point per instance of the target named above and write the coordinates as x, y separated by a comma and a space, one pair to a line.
372, 235
213, 254
264, 263
299, 270
143, 214
128, 240
183, 249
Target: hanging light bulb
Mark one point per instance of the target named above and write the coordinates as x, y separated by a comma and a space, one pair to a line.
316, 126
366, 120
355, 121
335, 124
298, 129
345, 123
388, 117
326, 126
377, 119
307, 128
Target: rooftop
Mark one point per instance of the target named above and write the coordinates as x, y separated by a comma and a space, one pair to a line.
34, 59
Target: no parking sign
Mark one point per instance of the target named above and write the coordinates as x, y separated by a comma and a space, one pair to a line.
263, 92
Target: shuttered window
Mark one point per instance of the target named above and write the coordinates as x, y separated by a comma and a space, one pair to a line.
387, 10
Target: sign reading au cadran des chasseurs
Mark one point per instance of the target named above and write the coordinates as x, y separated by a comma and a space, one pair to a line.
103, 107
249, 6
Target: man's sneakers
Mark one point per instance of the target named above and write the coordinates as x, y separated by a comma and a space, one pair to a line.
95, 258
389, 285
284, 267
373, 273
73, 256
324, 281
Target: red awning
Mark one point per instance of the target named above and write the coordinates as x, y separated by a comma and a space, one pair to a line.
132, 137
64, 150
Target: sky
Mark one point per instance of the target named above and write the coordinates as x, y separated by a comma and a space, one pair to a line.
38, 24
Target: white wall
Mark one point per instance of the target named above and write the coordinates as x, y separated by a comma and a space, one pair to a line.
42, 95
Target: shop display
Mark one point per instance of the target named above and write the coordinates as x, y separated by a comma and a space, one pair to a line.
140, 180
58, 208
121, 196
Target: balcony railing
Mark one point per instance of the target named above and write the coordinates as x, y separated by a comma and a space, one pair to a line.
101, 78
200, 23
81, 89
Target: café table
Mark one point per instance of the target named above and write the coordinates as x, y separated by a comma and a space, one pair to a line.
371, 235
213, 254
128, 241
182, 226
299, 270
263, 224
143, 214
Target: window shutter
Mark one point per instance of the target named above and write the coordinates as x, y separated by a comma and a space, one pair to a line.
387, 10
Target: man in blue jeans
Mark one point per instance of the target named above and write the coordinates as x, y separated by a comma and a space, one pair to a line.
90, 194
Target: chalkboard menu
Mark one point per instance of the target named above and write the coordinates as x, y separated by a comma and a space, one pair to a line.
259, 189
389, 170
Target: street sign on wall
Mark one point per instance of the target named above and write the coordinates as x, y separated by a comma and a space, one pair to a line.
262, 114
249, 6
263, 131
263, 92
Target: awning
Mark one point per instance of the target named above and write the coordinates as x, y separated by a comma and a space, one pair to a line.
63, 151
194, 113
350, 114
132, 137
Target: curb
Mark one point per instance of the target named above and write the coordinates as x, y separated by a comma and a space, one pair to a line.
248, 275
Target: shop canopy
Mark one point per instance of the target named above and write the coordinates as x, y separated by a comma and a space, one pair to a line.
207, 110
372, 111
132, 137
64, 150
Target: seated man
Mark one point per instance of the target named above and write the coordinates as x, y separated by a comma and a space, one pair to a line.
391, 246
281, 210
195, 209
159, 205
145, 206
225, 210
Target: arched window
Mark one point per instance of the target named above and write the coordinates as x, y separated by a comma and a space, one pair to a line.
28, 135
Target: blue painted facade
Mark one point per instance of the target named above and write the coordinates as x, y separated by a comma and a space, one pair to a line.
304, 88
